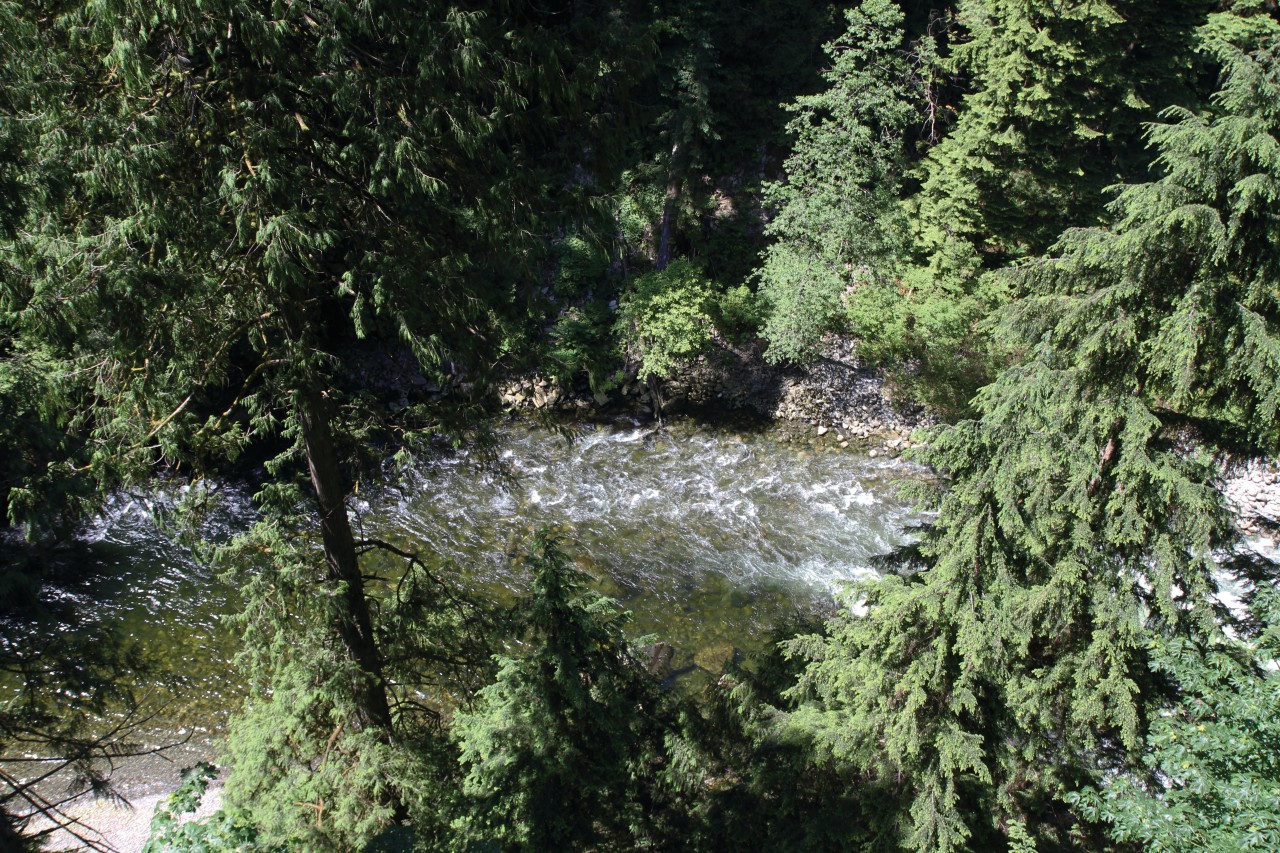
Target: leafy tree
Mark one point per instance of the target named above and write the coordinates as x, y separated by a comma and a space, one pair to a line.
563, 750
224, 830
1008, 661
666, 318
839, 233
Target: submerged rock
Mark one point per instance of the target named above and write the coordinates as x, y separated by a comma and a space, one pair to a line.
715, 659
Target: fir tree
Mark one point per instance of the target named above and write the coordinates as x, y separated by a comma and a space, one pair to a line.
563, 750
1209, 778
1057, 95
839, 234
1010, 662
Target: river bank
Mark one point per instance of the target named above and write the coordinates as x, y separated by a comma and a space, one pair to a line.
836, 401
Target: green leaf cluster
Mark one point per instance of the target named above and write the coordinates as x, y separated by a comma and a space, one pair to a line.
666, 319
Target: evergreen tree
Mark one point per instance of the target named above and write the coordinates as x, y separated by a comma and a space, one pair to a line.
1008, 662
1057, 96
839, 234
1048, 101
1209, 778
238, 190
563, 750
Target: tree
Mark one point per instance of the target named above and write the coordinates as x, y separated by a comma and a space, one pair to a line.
1007, 662
564, 750
1209, 775
240, 190
666, 319
839, 234
1057, 94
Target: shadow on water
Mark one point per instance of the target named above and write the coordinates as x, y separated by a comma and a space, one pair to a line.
85, 705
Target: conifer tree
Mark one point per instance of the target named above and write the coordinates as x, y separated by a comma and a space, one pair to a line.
240, 189
563, 750
1007, 662
1210, 769
839, 234
1057, 96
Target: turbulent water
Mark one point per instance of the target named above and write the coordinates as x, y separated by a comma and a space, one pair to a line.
708, 536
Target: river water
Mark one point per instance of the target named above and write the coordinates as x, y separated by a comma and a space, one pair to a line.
709, 535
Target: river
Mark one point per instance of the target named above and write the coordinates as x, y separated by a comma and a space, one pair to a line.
709, 535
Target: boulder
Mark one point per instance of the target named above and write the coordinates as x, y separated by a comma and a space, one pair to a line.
658, 659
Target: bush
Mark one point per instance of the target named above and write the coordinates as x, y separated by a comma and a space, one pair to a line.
666, 319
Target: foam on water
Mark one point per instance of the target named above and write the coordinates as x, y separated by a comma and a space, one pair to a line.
707, 537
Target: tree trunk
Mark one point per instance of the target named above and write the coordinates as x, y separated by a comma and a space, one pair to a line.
354, 623
669, 208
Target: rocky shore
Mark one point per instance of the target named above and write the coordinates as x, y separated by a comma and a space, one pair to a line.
837, 400
1252, 490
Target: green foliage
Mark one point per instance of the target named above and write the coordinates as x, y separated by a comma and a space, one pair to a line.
740, 313
38, 488
1058, 95
562, 750
1211, 779
582, 342
306, 768
224, 831
1010, 658
581, 267
1053, 100
666, 318
839, 233
235, 192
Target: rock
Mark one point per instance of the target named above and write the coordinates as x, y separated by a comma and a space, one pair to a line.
873, 453
715, 659
658, 658
822, 430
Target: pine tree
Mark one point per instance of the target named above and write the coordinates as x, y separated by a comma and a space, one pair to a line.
1007, 662
1210, 776
1057, 96
563, 749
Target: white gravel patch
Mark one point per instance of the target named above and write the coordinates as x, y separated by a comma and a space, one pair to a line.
119, 827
